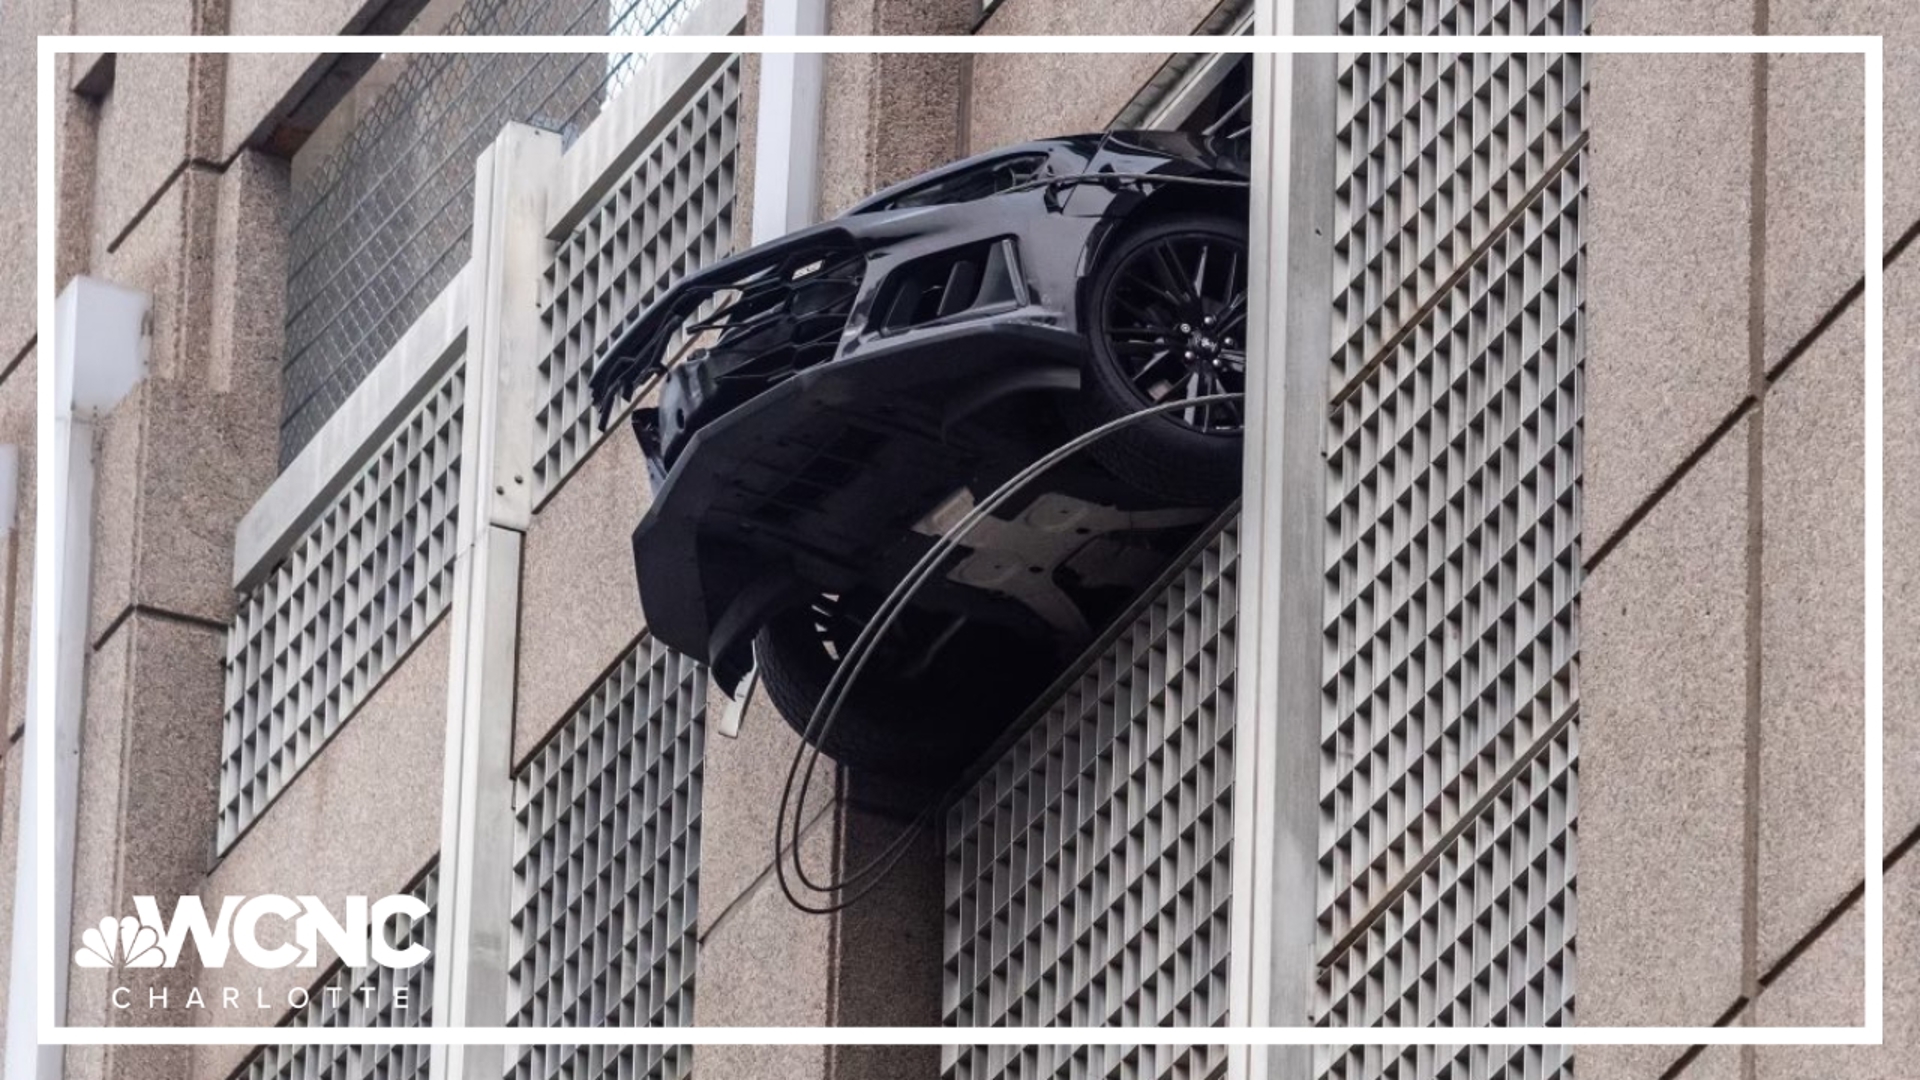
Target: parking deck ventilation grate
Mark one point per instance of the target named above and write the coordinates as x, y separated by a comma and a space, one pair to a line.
1432, 152
360, 997
1482, 936
1088, 869
357, 590
670, 215
1108, 1062
1450, 698
606, 871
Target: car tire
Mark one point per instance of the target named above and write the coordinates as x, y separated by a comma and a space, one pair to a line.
1187, 460
923, 729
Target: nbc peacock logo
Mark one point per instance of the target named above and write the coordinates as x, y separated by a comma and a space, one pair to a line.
119, 943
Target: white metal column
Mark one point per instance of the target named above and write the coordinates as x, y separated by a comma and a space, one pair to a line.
471, 943
1277, 729
786, 147
100, 344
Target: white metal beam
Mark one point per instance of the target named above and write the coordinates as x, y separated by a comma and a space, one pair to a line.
786, 147
1277, 726
100, 344
473, 913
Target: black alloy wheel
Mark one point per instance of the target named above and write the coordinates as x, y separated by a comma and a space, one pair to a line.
1167, 315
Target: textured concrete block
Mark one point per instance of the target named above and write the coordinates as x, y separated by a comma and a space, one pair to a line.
1663, 760
149, 769
1020, 97
1823, 987
144, 125
765, 963
740, 797
1655, 17
580, 608
178, 468
1816, 162
1652, 1062
183, 457
258, 85
762, 1062
887, 954
133, 16
1901, 585
1897, 22
1668, 270
249, 281
9, 851
1813, 637
18, 229
18, 426
749, 131
890, 115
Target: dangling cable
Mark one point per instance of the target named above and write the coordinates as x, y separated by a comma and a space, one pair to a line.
858, 883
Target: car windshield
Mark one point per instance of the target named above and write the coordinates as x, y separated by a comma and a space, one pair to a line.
978, 182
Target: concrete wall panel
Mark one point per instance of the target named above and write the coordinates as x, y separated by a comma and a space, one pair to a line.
185, 455
1823, 987
144, 125
1816, 224
133, 16
580, 608
1663, 761
19, 22
1668, 255
257, 85
1898, 23
148, 763
762, 962
1812, 639
1020, 97
1901, 556
744, 777
892, 115
1659, 17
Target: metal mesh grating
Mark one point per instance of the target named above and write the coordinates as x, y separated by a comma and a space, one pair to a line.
1453, 523
1482, 936
607, 869
360, 997
1086, 1063
384, 222
1432, 152
1452, 545
672, 214
358, 589
1087, 871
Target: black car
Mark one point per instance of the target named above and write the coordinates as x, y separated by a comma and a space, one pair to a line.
830, 402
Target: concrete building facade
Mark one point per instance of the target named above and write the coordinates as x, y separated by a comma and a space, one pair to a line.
1525, 687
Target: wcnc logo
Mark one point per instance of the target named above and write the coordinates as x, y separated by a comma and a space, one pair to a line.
150, 941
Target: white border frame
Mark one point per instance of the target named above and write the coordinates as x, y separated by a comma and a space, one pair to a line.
47, 573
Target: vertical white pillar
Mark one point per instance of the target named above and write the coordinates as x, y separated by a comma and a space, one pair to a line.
1277, 725
786, 146
496, 457
100, 345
